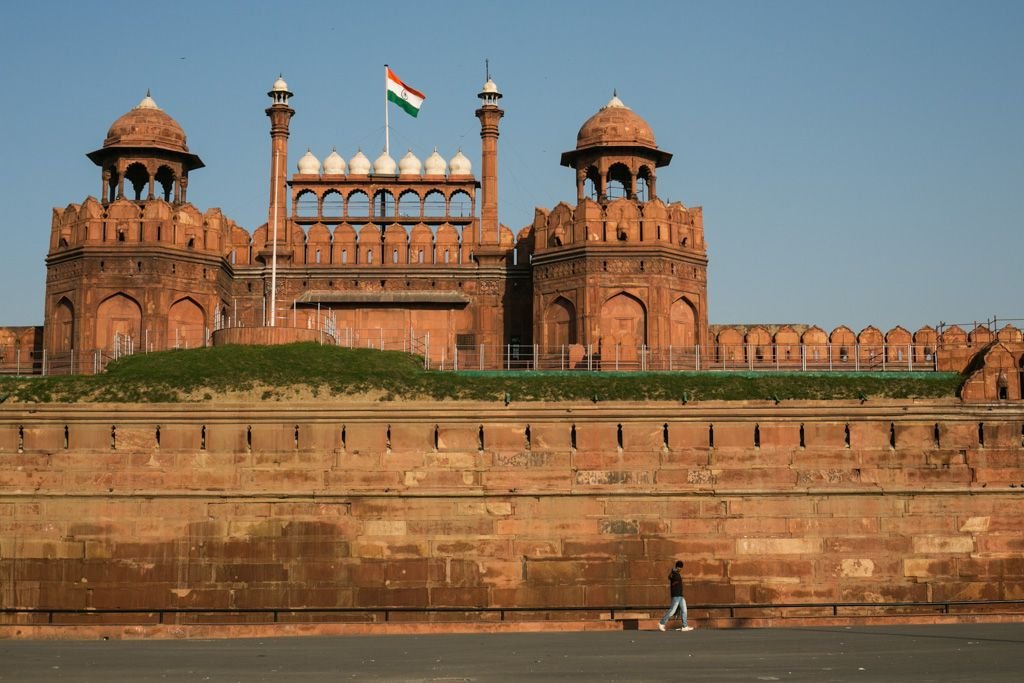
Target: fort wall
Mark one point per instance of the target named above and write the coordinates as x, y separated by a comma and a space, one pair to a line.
471, 504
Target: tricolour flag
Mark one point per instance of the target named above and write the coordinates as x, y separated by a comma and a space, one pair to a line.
405, 97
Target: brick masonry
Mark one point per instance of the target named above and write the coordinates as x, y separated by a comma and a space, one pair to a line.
408, 504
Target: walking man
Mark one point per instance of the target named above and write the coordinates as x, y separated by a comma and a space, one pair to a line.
675, 586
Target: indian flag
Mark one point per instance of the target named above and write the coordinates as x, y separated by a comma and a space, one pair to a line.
404, 96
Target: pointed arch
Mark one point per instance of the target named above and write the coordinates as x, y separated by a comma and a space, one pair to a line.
332, 205
623, 327
136, 178
683, 317
118, 319
165, 177
559, 323
383, 203
63, 325
409, 204
186, 324
307, 204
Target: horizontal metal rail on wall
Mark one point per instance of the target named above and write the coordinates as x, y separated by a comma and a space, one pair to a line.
614, 612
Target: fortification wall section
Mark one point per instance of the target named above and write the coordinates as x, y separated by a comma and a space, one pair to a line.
462, 504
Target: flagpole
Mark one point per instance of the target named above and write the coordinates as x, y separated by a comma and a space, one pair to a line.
387, 141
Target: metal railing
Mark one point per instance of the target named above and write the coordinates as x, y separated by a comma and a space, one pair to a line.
742, 357
172, 615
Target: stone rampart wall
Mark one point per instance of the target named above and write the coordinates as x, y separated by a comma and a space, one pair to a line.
529, 505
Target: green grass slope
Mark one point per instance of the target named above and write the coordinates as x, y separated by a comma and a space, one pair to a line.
334, 373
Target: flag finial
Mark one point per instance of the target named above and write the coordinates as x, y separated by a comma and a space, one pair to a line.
487, 69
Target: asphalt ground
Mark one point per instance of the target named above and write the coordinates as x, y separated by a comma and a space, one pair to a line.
974, 652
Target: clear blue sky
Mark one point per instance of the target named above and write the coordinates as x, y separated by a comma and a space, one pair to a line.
858, 163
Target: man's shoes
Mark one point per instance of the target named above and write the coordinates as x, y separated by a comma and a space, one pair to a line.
686, 628
661, 627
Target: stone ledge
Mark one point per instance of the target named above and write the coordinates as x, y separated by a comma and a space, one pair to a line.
199, 631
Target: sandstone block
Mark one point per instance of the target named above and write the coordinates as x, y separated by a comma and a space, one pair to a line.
688, 435
391, 597
755, 526
879, 546
385, 528
1000, 544
777, 546
459, 597
927, 568
536, 548
49, 549
833, 526
539, 596
526, 481
943, 544
975, 524
770, 570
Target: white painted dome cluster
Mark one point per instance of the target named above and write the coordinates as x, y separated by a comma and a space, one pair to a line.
409, 165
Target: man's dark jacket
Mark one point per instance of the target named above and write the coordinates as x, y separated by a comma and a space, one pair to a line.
675, 581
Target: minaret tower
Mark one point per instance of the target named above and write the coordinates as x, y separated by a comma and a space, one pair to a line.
280, 116
490, 115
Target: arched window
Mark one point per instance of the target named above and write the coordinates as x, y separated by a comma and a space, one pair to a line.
165, 176
136, 179
434, 204
358, 205
333, 204
592, 184
383, 203
460, 205
306, 204
643, 184
619, 182
409, 204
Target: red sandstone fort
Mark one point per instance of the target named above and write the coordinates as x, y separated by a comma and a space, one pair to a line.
366, 507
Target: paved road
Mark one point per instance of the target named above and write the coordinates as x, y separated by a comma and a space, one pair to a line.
915, 654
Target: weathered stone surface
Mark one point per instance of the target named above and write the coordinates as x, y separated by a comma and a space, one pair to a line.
283, 525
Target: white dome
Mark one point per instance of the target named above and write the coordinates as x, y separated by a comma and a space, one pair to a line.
409, 164
459, 164
615, 103
435, 164
384, 165
490, 86
334, 164
359, 164
147, 103
309, 164
279, 85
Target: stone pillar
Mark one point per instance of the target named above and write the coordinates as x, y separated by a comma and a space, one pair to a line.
490, 115
280, 117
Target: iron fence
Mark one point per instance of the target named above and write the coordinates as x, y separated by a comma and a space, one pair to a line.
744, 357
446, 356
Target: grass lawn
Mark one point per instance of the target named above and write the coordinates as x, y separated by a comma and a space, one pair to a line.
330, 372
